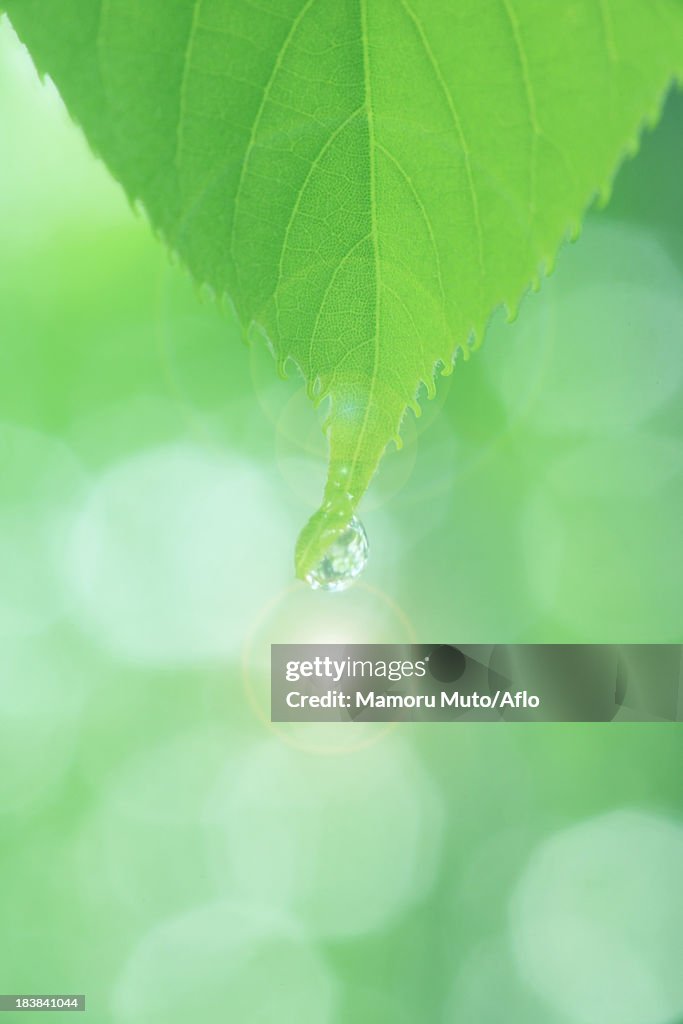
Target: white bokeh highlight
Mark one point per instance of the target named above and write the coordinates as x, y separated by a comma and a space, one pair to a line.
175, 552
597, 920
41, 485
344, 844
143, 850
224, 962
43, 688
598, 348
600, 535
487, 989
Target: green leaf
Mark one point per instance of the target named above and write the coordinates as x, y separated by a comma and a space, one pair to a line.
366, 179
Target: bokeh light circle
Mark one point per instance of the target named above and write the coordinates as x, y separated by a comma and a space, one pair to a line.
344, 844
299, 615
557, 366
597, 918
175, 550
224, 961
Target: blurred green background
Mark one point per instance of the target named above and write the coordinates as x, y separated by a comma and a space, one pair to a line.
166, 850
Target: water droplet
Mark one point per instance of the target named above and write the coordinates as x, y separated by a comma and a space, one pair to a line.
343, 561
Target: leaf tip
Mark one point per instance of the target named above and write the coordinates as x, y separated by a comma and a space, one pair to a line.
574, 230
549, 264
604, 195
511, 311
322, 530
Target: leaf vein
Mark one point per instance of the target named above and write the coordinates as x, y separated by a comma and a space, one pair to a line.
427, 222
277, 64
530, 96
342, 263
299, 196
455, 117
182, 96
367, 80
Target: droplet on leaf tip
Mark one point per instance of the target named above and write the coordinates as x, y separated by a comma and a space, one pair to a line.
344, 560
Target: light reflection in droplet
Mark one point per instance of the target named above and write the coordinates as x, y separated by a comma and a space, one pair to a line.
343, 561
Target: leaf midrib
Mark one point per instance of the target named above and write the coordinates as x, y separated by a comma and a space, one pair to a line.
372, 161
